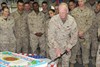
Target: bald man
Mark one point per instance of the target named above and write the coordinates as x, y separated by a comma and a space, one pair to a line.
62, 35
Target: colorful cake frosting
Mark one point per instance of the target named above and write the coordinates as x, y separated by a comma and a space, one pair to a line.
9, 59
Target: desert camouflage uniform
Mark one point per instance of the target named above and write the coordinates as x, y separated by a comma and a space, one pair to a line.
27, 12
7, 40
94, 35
62, 36
36, 24
46, 15
94, 39
84, 19
93, 32
21, 31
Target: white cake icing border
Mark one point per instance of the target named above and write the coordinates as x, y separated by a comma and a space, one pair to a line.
44, 64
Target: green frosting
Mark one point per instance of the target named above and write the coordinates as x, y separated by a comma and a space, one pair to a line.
33, 62
6, 52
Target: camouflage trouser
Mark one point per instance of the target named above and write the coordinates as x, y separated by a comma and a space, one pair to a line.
22, 43
12, 45
94, 43
94, 47
8, 45
4, 46
64, 60
94, 39
35, 41
74, 52
47, 48
85, 46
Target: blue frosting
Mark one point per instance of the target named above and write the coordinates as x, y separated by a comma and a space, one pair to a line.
4, 62
2, 65
37, 57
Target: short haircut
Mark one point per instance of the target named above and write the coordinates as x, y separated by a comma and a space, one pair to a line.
20, 1
26, 3
4, 8
64, 5
52, 10
44, 2
31, 0
98, 2
3, 3
72, 1
36, 3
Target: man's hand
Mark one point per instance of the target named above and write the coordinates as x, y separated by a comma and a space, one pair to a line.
39, 34
68, 49
58, 52
80, 34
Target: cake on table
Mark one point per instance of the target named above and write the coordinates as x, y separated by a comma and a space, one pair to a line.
10, 59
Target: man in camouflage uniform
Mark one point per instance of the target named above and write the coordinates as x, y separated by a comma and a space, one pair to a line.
36, 29
95, 33
45, 10
62, 35
72, 5
84, 18
21, 28
7, 40
27, 7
